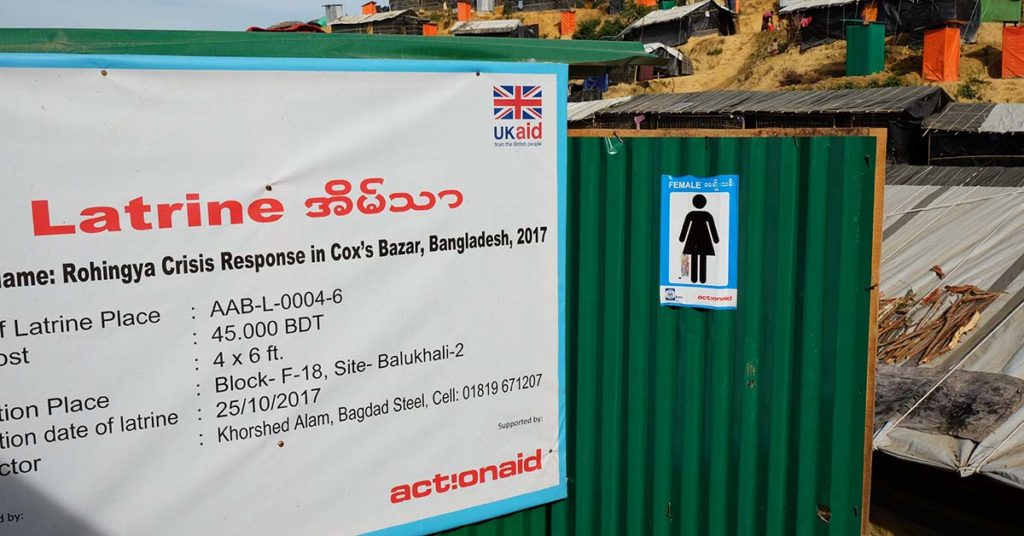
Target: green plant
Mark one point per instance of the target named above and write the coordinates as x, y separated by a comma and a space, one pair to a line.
970, 89
893, 80
715, 51
587, 29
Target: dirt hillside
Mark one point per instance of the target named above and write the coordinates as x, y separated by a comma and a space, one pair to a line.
746, 61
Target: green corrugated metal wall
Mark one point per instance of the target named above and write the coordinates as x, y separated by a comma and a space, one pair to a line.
693, 422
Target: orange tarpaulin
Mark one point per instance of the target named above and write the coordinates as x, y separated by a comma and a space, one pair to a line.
429, 28
465, 11
941, 54
568, 25
370, 8
870, 12
647, 3
1013, 51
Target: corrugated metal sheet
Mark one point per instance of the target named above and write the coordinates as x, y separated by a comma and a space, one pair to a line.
581, 111
963, 177
485, 26
992, 118
405, 47
915, 101
375, 17
693, 422
668, 15
969, 221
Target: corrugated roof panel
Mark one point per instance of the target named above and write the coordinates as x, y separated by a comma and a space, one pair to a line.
968, 221
486, 26
693, 422
376, 17
914, 100
968, 117
342, 45
962, 117
580, 111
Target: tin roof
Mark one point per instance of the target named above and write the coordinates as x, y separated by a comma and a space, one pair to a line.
992, 118
476, 27
919, 102
581, 111
967, 222
351, 20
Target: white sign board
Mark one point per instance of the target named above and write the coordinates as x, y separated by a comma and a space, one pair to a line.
699, 241
276, 296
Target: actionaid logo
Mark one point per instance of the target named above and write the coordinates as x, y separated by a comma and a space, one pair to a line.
518, 111
444, 483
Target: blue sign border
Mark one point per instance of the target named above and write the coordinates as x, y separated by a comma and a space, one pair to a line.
218, 63
666, 230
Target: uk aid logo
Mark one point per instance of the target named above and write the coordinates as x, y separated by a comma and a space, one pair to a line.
518, 116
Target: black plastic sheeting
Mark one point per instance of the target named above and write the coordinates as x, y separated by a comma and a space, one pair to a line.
975, 149
705, 21
909, 18
826, 25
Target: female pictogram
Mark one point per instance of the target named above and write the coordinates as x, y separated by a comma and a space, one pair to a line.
699, 237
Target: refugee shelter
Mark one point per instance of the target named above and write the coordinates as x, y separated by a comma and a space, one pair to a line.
401, 22
540, 5
907, 21
900, 110
820, 21
977, 134
677, 64
950, 381
494, 28
420, 5
673, 27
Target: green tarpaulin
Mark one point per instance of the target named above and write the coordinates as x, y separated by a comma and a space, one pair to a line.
1000, 10
295, 45
865, 48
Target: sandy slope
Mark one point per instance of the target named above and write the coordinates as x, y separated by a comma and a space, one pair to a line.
743, 61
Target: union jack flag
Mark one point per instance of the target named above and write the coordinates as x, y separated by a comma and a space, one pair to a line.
517, 102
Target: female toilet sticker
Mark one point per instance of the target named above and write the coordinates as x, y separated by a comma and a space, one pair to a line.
699, 224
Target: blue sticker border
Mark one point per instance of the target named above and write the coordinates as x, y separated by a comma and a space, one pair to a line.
666, 233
